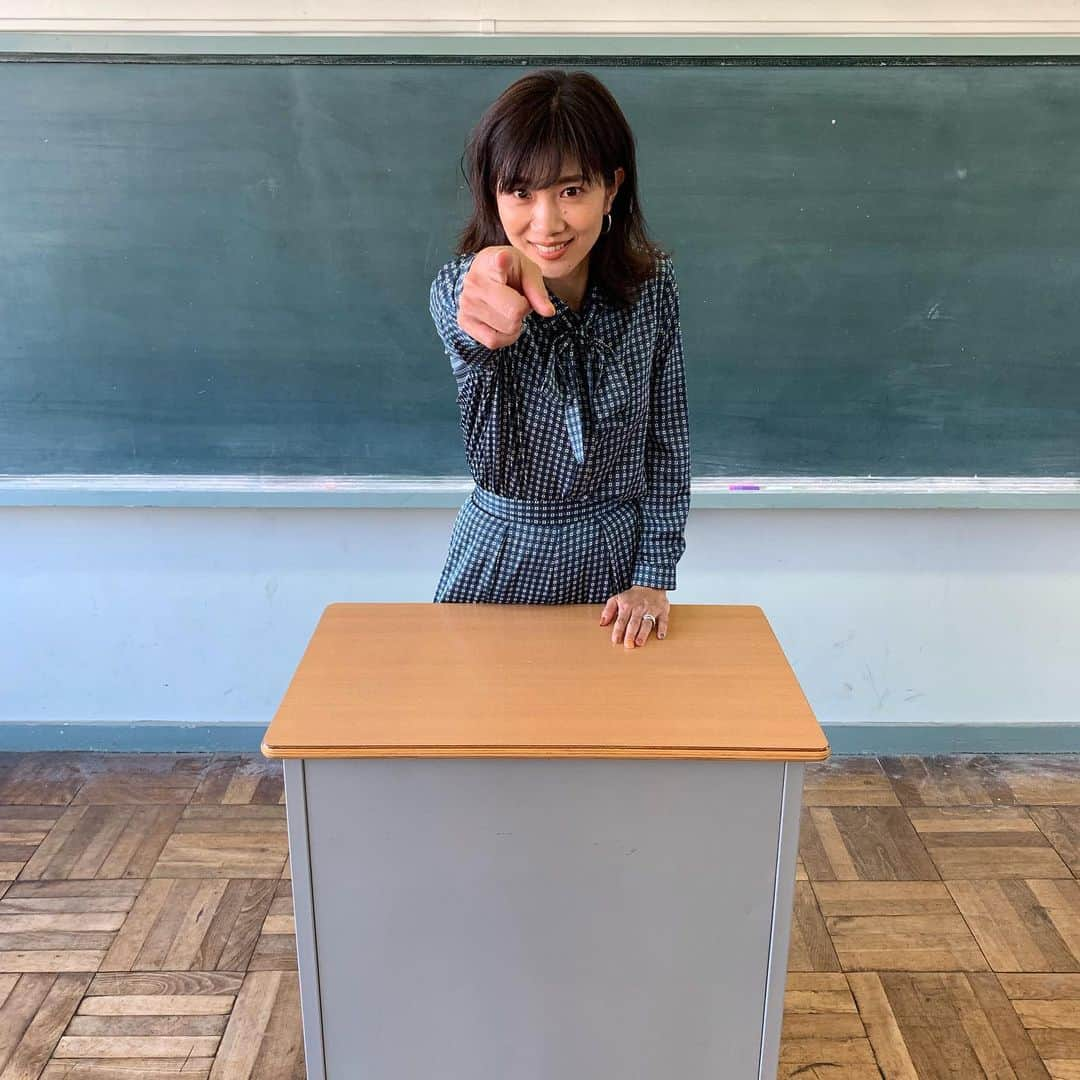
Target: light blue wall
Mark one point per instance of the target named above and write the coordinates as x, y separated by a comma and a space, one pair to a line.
199, 616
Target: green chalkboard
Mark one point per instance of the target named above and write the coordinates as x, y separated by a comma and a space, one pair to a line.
223, 268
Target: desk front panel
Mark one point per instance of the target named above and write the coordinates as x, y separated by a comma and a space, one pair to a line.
523, 919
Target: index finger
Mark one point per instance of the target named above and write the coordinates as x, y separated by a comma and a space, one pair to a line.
534, 289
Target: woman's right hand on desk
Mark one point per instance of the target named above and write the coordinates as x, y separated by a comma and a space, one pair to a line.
500, 289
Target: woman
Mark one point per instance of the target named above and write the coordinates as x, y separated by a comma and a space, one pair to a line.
561, 321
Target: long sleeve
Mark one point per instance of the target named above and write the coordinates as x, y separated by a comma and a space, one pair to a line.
464, 351
666, 502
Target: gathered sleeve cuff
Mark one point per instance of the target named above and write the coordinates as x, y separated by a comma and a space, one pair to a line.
464, 351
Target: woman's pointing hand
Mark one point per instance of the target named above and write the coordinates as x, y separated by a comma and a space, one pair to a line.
501, 288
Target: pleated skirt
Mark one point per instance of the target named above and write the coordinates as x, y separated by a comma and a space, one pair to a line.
511, 551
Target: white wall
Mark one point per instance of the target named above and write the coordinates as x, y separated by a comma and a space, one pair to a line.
891, 616
524, 17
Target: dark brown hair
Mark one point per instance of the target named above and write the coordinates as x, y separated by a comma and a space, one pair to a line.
522, 140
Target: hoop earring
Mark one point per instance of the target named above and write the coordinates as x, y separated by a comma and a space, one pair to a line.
604, 232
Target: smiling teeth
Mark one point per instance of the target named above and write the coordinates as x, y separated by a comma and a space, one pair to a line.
549, 250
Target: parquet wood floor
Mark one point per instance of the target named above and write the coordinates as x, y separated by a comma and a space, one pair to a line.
146, 921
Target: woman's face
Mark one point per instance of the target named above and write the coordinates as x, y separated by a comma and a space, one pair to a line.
570, 212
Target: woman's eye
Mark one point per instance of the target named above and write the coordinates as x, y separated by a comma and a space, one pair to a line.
524, 191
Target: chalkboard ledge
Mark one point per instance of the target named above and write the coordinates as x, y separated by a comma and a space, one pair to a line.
428, 492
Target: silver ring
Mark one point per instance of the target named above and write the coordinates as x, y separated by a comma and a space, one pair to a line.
651, 618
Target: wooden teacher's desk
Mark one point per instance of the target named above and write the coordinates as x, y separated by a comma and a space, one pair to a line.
520, 852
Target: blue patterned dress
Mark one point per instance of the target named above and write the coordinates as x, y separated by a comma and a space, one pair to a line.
578, 440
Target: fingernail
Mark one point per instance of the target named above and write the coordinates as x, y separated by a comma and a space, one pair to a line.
661, 636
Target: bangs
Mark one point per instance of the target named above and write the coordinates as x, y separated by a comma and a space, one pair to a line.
535, 158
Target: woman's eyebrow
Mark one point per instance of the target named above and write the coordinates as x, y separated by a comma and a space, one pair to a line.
562, 180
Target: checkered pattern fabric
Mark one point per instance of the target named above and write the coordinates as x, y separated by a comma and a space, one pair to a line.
578, 439
513, 552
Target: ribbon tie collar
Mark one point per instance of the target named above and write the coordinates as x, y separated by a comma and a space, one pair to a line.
584, 370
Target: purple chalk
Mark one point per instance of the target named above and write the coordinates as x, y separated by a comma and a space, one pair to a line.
743, 487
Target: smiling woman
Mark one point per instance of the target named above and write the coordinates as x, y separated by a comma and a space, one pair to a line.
559, 225
560, 317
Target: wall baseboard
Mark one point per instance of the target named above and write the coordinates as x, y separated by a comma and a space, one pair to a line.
139, 737
922, 739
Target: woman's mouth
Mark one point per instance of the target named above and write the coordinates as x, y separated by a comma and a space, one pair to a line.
546, 251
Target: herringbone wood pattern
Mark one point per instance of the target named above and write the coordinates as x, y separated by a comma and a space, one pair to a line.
146, 920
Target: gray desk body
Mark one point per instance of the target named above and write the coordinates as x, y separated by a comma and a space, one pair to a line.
542, 918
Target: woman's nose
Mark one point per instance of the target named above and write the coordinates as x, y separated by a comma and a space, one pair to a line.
548, 217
